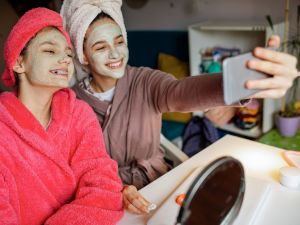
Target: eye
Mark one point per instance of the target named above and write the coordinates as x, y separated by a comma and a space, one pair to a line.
100, 48
69, 54
52, 52
120, 41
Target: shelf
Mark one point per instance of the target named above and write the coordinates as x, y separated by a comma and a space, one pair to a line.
242, 35
255, 132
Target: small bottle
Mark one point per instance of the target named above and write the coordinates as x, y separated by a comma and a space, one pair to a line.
215, 66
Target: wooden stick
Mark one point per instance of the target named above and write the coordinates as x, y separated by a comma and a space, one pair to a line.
285, 44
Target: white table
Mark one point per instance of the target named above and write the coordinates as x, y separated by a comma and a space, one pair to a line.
259, 161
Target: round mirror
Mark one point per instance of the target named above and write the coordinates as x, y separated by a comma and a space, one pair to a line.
216, 195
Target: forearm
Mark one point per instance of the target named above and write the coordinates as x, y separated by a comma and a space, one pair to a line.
190, 94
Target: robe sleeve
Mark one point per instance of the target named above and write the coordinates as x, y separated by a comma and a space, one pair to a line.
98, 198
194, 93
8, 215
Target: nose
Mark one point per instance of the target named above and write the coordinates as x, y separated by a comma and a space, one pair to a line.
113, 53
65, 59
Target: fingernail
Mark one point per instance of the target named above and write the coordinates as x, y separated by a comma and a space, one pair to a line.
151, 207
251, 63
248, 84
257, 50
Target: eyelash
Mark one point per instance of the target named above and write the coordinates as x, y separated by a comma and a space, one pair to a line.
50, 52
100, 48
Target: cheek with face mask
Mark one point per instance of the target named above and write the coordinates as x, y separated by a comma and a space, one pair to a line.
49, 70
111, 63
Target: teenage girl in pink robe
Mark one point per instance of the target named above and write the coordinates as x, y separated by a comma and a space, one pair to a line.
54, 168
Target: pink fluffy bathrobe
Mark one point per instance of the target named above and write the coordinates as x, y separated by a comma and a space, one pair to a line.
57, 176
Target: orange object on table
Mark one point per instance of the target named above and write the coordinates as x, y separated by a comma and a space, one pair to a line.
180, 198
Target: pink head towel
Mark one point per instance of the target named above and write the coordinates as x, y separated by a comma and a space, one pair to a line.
28, 25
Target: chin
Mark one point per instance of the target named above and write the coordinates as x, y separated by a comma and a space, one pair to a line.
116, 74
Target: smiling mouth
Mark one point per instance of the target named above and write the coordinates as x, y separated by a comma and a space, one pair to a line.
115, 65
60, 72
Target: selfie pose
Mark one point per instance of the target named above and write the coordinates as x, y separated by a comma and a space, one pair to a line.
54, 168
129, 101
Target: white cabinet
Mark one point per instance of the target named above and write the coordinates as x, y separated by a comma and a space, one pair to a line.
245, 36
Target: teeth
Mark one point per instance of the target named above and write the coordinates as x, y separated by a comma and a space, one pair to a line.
114, 65
59, 72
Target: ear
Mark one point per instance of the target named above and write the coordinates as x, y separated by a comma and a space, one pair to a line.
19, 66
85, 61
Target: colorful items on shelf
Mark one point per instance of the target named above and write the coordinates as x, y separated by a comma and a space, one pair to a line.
211, 58
248, 117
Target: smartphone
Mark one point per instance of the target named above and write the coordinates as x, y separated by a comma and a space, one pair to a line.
235, 75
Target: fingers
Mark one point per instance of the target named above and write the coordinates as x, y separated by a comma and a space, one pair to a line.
274, 41
272, 68
274, 93
134, 201
281, 67
278, 82
276, 57
130, 207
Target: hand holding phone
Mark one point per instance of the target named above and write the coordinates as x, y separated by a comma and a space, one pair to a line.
235, 75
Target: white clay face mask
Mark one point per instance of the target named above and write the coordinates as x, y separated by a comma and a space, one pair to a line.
49, 60
106, 51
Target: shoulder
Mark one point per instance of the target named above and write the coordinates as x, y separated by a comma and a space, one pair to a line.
78, 108
82, 108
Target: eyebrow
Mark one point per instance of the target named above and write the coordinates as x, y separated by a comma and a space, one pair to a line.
53, 43
47, 43
118, 36
102, 42
98, 42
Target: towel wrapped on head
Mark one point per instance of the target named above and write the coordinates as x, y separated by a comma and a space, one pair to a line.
79, 14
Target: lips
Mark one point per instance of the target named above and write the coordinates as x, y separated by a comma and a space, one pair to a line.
115, 65
60, 72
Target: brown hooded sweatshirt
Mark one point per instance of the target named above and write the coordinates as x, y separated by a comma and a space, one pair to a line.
132, 122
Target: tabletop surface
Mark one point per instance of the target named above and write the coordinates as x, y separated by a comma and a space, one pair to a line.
259, 160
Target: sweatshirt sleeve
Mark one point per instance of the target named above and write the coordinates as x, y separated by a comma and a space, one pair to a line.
8, 215
193, 93
142, 172
98, 198
133, 175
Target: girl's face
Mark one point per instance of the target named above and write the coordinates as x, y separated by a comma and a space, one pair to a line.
105, 50
48, 60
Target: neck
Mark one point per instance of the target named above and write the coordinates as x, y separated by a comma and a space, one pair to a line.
102, 83
38, 101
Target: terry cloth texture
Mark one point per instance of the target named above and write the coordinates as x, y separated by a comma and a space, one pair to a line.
59, 176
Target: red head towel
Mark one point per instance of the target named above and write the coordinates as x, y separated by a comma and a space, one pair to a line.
28, 25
